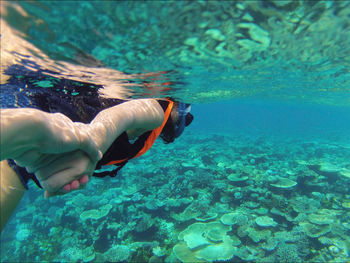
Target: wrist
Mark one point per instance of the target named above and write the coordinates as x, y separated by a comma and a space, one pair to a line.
23, 176
20, 131
9, 178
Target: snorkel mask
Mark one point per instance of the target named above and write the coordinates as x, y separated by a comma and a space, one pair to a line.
179, 119
184, 118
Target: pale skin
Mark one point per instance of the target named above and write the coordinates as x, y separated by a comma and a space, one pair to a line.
63, 154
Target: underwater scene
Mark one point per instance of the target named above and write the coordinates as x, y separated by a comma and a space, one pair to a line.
262, 174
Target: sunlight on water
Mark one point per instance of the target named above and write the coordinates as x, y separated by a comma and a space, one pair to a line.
271, 49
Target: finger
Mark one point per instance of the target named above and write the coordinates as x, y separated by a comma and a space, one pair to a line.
84, 180
60, 163
61, 178
58, 180
74, 185
68, 188
78, 184
75, 160
70, 137
29, 158
48, 194
90, 148
65, 169
44, 161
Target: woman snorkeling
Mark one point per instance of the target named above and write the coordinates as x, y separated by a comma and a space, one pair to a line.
61, 135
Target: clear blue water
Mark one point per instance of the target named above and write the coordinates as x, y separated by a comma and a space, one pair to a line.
269, 85
273, 118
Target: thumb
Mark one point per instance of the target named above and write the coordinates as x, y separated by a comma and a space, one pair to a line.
87, 144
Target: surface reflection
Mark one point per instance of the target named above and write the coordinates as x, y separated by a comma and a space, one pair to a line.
199, 51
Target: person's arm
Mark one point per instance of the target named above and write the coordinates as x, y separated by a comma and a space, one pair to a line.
141, 115
34, 138
11, 193
26, 130
31, 136
19, 129
137, 115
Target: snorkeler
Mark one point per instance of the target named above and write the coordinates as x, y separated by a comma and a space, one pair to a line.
121, 130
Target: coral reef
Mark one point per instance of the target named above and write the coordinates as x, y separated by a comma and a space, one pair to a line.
112, 221
209, 197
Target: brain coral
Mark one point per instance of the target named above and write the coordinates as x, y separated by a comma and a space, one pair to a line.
117, 253
287, 253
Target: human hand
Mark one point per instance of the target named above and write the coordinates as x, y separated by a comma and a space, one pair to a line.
63, 135
45, 143
52, 133
65, 173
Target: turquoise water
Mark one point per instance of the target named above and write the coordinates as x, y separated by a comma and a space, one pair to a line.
261, 175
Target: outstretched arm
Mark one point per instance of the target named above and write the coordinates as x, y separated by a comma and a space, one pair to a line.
38, 140
34, 138
11, 192
138, 115
26, 130
27, 133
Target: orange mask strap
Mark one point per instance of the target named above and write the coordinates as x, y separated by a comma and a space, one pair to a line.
155, 133
152, 137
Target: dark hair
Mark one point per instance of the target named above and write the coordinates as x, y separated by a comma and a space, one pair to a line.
189, 119
168, 133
